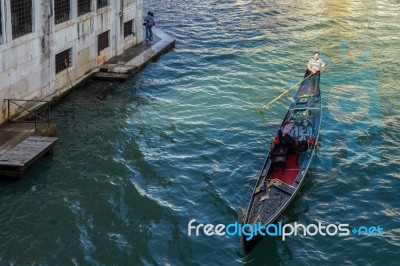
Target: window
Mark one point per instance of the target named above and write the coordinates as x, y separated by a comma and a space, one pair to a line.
63, 60
102, 42
128, 28
83, 7
21, 17
102, 3
1, 22
62, 10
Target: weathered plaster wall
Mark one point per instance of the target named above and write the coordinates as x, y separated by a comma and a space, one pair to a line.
27, 63
133, 10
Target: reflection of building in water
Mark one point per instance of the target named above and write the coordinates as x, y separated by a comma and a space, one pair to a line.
341, 27
47, 45
338, 8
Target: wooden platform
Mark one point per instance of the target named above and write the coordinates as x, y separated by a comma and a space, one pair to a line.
14, 161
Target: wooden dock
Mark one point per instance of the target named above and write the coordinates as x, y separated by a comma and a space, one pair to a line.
14, 161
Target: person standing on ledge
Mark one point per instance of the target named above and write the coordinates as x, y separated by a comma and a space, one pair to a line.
315, 65
149, 23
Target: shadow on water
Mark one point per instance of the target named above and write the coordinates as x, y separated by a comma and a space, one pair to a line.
265, 253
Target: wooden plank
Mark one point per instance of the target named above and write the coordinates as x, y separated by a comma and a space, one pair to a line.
28, 151
14, 141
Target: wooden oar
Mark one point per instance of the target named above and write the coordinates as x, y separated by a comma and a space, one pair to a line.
283, 93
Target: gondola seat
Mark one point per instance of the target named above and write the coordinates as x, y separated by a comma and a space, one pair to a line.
278, 159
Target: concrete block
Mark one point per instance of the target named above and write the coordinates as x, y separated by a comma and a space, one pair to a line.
20, 89
44, 77
61, 39
71, 34
71, 76
65, 35
29, 50
7, 93
111, 76
10, 59
93, 51
45, 91
83, 56
29, 67
4, 80
86, 42
129, 41
61, 81
14, 75
22, 52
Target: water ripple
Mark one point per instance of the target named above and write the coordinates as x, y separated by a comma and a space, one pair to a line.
182, 140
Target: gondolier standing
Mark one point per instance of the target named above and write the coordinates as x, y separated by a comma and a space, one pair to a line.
314, 66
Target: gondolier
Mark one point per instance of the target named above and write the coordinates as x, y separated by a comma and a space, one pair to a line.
315, 65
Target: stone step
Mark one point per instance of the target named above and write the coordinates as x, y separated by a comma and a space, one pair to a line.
111, 76
117, 68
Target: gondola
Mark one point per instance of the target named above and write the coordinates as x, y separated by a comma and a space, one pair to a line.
288, 160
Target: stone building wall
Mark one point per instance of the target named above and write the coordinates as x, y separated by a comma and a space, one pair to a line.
28, 68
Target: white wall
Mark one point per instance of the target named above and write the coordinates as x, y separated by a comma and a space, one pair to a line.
27, 63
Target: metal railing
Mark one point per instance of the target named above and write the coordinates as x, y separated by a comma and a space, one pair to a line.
40, 113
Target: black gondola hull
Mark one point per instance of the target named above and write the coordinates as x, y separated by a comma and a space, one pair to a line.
288, 160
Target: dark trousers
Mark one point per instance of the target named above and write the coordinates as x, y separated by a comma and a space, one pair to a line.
149, 33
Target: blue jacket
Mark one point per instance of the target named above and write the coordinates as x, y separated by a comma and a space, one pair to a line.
149, 21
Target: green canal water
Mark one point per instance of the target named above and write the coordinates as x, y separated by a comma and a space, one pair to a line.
182, 140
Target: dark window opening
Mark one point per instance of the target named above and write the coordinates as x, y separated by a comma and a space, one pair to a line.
62, 10
1, 22
128, 28
63, 60
102, 42
21, 17
83, 7
102, 3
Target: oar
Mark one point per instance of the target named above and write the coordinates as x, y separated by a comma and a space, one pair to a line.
283, 93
